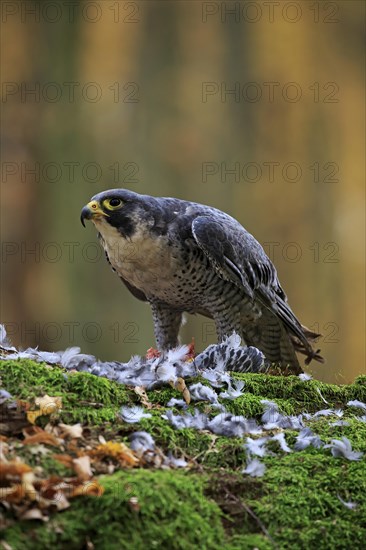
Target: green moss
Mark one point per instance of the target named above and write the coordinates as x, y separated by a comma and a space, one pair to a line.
360, 381
301, 508
85, 398
304, 396
186, 440
250, 405
241, 542
173, 513
295, 505
26, 378
355, 431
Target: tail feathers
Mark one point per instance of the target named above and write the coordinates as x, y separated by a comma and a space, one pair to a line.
278, 344
271, 337
300, 336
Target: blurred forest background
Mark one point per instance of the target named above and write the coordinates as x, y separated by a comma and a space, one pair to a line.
256, 108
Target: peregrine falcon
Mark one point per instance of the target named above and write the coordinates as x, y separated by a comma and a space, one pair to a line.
181, 256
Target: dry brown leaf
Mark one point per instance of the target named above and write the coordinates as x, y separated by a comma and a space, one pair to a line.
75, 431
4, 448
50, 487
42, 437
82, 467
24, 489
180, 385
64, 459
141, 392
88, 488
59, 500
117, 450
28, 480
72, 446
31, 430
53, 493
13, 468
34, 513
186, 395
14, 494
49, 405
33, 415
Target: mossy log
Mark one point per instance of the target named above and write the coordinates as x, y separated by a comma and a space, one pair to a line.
211, 504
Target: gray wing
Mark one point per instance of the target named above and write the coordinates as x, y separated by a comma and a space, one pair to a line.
239, 258
136, 292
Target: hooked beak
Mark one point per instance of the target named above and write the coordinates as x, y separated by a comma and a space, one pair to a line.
90, 211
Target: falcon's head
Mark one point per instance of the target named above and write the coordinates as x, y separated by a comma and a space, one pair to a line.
125, 210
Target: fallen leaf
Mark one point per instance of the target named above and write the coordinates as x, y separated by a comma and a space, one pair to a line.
82, 467
60, 501
88, 488
141, 392
28, 480
64, 459
49, 405
33, 415
117, 450
34, 513
51, 487
41, 437
13, 468
3, 450
75, 431
13, 495
180, 385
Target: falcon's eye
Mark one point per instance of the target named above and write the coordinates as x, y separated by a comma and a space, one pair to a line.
112, 204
